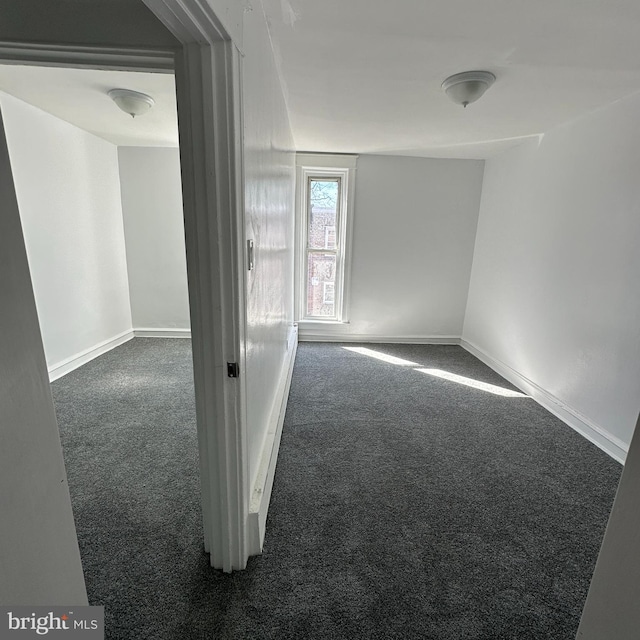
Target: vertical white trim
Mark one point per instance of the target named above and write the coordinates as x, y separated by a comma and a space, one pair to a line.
211, 261
240, 296
348, 240
299, 240
208, 91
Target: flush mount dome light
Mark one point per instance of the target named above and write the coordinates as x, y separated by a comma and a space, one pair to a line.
132, 102
465, 88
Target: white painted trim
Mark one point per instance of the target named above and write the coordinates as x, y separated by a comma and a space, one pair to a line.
327, 161
208, 88
87, 57
596, 434
322, 335
162, 333
206, 91
261, 494
190, 21
70, 364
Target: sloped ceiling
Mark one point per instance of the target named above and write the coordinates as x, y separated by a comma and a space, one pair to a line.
364, 75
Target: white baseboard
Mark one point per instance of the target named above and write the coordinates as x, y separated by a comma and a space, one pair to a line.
609, 443
261, 494
68, 365
313, 335
162, 333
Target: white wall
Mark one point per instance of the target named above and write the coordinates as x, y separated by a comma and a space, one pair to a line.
413, 235
154, 231
39, 556
554, 289
611, 609
269, 204
69, 197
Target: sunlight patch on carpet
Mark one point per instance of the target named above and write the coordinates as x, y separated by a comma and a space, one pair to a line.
476, 384
381, 356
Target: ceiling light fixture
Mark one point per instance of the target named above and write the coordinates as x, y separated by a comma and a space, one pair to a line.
465, 88
132, 102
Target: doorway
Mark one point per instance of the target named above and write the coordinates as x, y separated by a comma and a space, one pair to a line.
101, 207
207, 73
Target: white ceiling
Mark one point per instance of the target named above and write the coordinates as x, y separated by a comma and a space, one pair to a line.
364, 75
79, 96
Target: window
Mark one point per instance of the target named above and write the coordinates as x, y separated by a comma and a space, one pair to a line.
324, 205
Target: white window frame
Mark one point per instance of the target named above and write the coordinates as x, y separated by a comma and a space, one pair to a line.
311, 166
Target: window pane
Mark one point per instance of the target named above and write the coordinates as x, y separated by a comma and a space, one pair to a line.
321, 278
323, 213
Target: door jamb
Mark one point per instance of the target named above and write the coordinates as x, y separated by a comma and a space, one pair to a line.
210, 116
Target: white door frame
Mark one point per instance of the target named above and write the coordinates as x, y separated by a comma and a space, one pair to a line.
210, 116
208, 86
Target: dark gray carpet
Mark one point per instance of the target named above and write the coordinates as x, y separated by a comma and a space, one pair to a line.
404, 506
